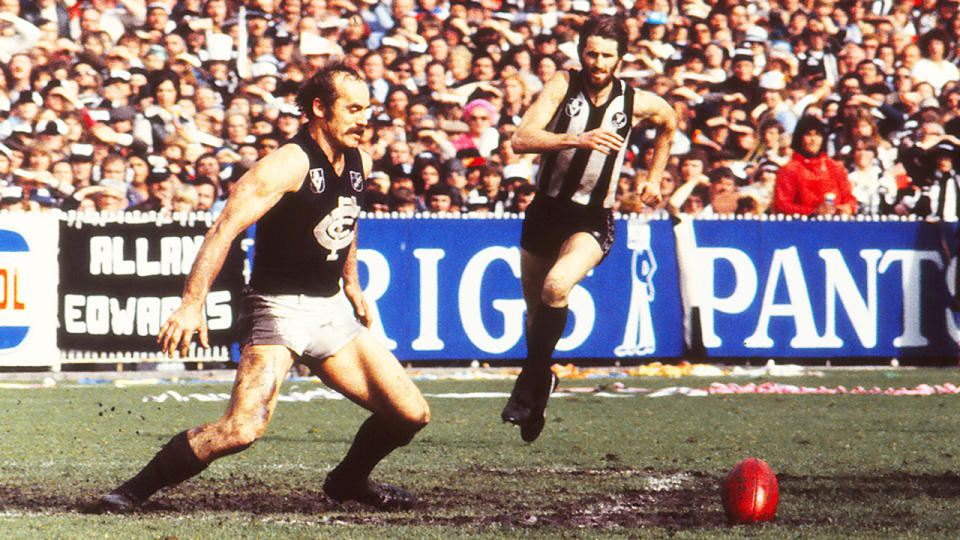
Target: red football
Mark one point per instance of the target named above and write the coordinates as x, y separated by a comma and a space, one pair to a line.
750, 493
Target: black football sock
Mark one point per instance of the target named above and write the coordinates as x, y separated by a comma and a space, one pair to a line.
543, 333
174, 463
373, 442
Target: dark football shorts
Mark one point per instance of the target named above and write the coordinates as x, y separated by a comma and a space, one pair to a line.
549, 222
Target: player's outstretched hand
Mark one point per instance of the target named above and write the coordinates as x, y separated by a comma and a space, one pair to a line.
601, 140
177, 333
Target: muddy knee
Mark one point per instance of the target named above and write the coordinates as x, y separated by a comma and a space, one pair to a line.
554, 293
229, 438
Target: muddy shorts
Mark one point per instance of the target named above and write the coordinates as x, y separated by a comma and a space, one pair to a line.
310, 326
548, 223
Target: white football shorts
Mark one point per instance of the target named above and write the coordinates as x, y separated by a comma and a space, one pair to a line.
311, 326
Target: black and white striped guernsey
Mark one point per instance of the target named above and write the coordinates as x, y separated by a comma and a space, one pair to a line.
580, 175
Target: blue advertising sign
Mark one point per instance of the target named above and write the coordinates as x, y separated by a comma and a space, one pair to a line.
450, 289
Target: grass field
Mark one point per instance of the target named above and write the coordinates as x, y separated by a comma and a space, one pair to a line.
867, 466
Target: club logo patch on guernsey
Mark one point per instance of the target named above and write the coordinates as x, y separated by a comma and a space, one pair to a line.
356, 179
574, 106
316, 180
619, 119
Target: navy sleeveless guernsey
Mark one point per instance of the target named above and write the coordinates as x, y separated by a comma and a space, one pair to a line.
302, 242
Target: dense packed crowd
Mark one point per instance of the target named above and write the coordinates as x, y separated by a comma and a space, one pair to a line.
122, 105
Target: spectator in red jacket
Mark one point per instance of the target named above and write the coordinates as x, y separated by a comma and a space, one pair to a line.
812, 183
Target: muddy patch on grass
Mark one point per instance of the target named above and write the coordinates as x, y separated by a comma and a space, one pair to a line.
586, 499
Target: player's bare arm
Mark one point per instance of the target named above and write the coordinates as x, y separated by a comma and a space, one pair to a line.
256, 192
351, 278
531, 136
654, 109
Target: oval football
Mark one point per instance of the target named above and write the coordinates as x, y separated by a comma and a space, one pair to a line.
750, 493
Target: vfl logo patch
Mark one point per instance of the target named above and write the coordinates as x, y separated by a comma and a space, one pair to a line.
316, 180
574, 106
356, 179
619, 119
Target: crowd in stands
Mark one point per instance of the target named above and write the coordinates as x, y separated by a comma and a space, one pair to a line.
125, 105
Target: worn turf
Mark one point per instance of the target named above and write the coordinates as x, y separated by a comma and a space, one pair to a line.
849, 466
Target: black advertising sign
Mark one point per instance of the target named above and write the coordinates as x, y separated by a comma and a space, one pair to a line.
120, 280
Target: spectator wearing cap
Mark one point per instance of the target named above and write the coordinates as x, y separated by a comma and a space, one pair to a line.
761, 186
653, 51
258, 22
51, 134
108, 195
455, 175
742, 89
117, 89
22, 116
812, 183
161, 185
288, 121
12, 199
774, 106
264, 74
378, 181
81, 161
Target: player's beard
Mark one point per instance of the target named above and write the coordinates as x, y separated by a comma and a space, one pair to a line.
597, 86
